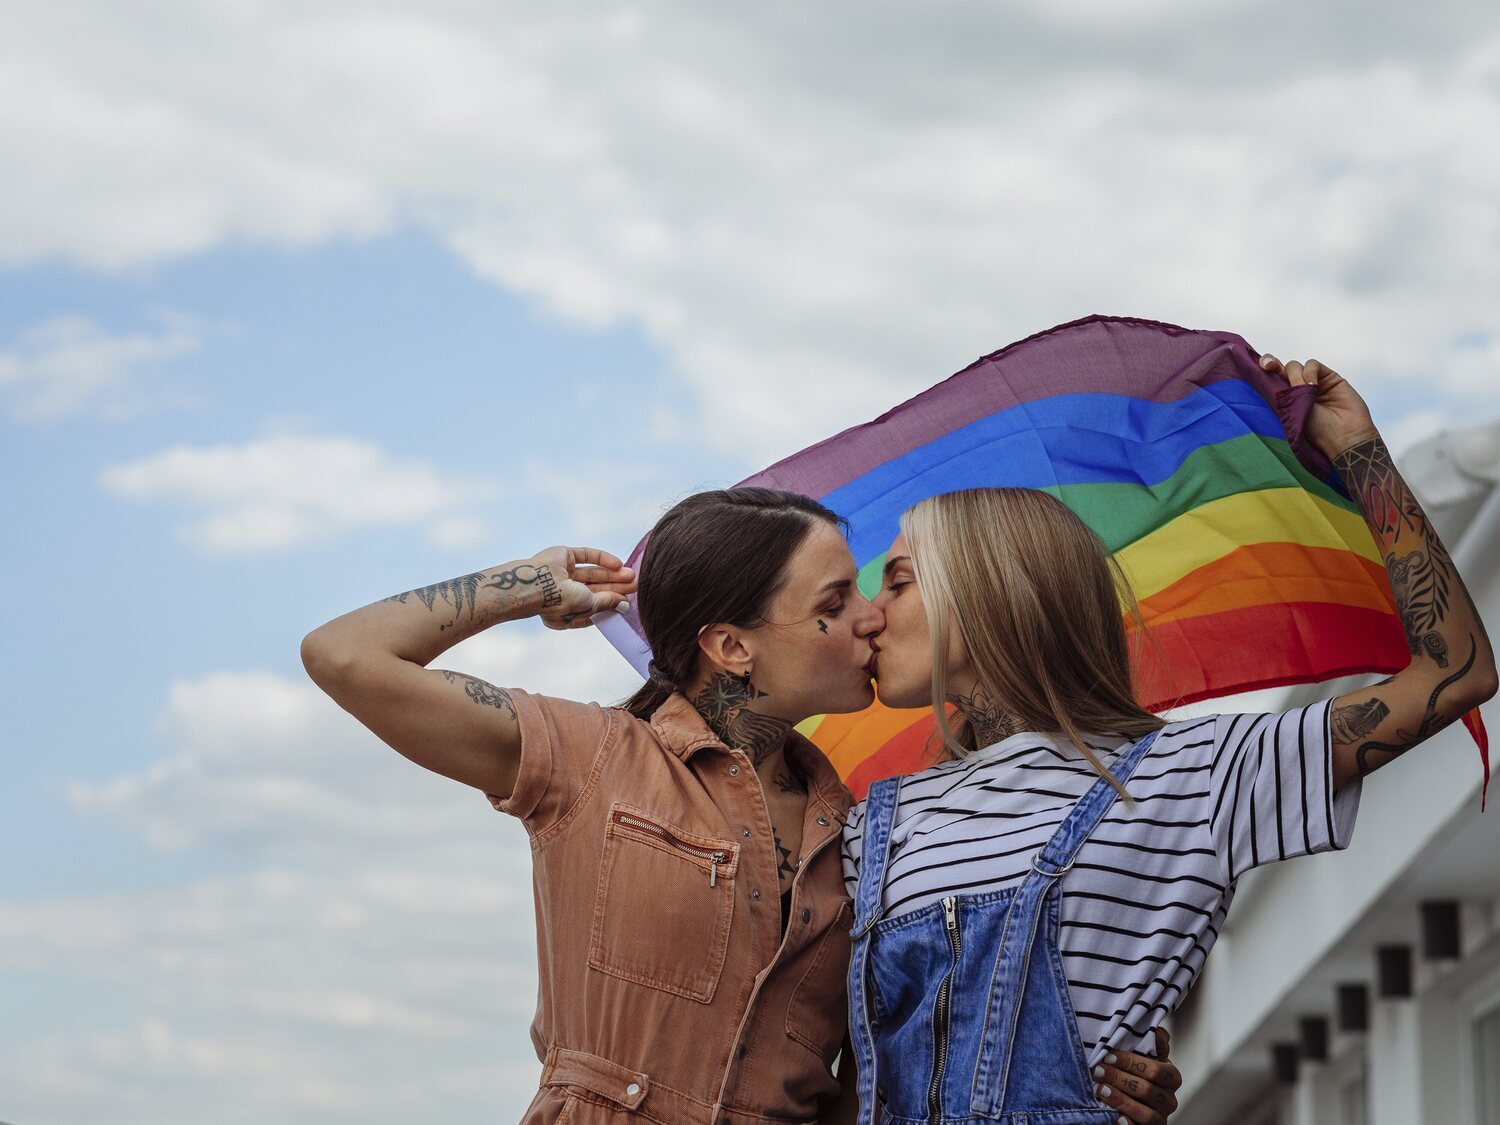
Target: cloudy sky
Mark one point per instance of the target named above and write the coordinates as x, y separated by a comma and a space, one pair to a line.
305, 303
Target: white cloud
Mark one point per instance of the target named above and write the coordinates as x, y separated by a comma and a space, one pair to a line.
286, 490
375, 959
815, 217
70, 364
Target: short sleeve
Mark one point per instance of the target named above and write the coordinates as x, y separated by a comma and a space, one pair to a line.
1272, 789
850, 847
560, 741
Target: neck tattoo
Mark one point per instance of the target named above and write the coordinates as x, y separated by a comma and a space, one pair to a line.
990, 721
724, 704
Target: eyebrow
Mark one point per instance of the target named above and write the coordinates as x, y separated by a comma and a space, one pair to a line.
891, 563
836, 584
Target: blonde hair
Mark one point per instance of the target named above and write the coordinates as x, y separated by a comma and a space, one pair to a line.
1039, 604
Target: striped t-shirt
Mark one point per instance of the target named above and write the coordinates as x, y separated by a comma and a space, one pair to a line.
1148, 893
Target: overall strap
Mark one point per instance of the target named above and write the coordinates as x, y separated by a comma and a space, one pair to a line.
880, 816
1007, 982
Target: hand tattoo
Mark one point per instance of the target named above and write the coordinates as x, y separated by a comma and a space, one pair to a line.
481, 692
526, 575
725, 706
990, 721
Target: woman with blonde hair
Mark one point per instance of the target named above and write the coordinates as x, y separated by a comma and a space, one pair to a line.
1031, 906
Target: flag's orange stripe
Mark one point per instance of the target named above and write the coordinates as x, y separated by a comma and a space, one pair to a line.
1268, 573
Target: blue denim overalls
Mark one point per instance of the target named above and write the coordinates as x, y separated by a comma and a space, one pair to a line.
976, 1024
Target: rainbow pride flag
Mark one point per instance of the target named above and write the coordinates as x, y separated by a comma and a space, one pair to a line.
1252, 566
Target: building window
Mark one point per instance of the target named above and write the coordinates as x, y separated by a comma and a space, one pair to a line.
1487, 1066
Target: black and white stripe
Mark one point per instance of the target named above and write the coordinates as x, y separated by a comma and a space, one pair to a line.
1149, 891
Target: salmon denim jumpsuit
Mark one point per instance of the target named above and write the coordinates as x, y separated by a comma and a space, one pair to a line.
959, 1011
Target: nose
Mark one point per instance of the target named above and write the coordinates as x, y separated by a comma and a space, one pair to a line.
872, 620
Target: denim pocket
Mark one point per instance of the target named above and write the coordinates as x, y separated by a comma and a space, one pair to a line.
664, 904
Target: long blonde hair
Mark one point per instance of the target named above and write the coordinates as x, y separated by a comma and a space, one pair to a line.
1039, 604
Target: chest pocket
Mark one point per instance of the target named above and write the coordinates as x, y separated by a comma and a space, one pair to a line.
664, 904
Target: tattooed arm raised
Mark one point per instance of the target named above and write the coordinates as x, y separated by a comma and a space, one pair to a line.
1452, 667
373, 662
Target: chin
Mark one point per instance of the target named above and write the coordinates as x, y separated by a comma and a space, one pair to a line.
893, 696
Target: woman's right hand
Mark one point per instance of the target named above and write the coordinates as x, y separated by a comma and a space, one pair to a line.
583, 581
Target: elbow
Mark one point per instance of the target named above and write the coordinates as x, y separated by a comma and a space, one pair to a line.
326, 661
1486, 684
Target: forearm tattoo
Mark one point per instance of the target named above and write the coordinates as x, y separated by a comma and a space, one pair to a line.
461, 595
1432, 722
1416, 560
481, 692
990, 721
1423, 581
724, 704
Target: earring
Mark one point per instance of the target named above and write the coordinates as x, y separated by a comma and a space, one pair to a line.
745, 680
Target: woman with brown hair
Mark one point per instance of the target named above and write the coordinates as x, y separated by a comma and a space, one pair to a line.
1016, 924
692, 922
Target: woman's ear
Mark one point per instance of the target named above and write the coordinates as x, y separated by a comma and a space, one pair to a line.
724, 647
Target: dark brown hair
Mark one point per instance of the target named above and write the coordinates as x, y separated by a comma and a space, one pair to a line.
715, 558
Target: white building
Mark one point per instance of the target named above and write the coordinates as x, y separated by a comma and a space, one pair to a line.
1363, 987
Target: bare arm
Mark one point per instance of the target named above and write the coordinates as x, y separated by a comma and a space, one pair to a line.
1452, 667
373, 661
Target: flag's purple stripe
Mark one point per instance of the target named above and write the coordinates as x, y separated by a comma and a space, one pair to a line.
1117, 355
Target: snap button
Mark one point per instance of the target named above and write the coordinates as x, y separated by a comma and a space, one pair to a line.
632, 1090
806, 917
734, 771
755, 895
823, 820
744, 832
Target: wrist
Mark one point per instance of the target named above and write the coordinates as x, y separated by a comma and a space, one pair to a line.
525, 589
1345, 443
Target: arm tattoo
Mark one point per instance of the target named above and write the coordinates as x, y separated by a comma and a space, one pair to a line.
481, 692
526, 575
1432, 721
990, 721
1352, 722
458, 593
724, 704
462, 594
1416, 560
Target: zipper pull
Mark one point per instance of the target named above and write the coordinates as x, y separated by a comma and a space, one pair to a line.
713, 867
950, 913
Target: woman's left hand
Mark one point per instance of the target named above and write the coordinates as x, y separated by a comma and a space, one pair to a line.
1339, 417
1141, 1089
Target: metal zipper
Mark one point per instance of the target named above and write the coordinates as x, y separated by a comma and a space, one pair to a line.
714, 858
940, 1013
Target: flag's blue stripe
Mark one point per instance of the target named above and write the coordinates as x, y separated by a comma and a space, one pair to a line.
1068, 439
